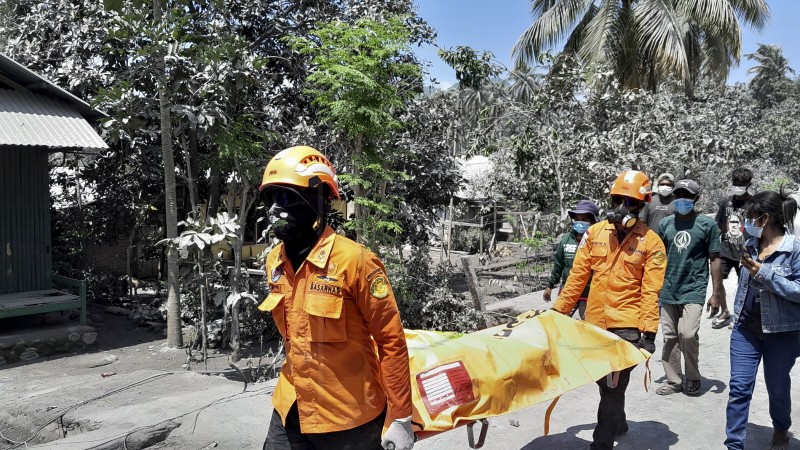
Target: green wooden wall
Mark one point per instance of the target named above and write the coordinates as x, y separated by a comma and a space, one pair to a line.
25, 256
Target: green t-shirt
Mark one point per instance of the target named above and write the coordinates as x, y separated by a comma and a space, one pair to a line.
689, 244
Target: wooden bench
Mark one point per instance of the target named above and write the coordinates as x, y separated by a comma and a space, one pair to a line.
50, 300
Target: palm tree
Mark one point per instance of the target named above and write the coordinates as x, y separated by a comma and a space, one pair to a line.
771, 68
645, 41
174, 328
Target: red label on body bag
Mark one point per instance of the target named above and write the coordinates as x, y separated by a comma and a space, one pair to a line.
445, 386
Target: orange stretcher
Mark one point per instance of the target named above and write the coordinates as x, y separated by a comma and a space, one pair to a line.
463, 379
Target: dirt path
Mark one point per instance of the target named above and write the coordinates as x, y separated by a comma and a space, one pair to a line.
238, 420
146, 386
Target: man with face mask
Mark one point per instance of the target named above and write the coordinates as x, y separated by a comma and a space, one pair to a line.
691, 240
583, 216
625, 261
730, 220
661, 205
346, 375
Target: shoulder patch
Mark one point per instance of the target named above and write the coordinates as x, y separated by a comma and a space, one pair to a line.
659, 258
379, 288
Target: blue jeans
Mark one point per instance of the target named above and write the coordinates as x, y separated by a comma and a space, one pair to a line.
779, 351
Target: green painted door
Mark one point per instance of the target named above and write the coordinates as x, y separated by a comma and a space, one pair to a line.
25, 261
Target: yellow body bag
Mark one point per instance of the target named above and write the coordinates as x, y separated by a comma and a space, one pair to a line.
457, 379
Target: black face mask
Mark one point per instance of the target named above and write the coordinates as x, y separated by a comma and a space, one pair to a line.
293, 222
623, 216
293, 215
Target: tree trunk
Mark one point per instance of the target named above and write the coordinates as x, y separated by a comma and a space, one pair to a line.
234, 284
81, 215
229, 207
361, 211
244, 210
556, 158
213, 192
193, 171
129, 265
174, 335
203, 302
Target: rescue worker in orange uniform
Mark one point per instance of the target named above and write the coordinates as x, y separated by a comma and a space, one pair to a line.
346, 375
626, 262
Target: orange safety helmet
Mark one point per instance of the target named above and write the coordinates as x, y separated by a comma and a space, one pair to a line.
633, 184
301, 167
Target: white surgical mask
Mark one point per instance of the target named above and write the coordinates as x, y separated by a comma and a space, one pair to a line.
664, 191
738, 190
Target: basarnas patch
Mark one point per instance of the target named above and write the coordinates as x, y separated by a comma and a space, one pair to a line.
276, 274
379, 287
325, 288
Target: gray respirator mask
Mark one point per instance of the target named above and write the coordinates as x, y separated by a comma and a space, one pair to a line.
623, 215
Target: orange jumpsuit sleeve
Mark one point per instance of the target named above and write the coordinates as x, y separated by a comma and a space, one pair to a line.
655, 266
376, 301
578, 276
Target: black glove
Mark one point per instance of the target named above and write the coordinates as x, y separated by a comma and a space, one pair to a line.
647, 341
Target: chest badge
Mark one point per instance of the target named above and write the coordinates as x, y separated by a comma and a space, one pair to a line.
379, 288
276, 274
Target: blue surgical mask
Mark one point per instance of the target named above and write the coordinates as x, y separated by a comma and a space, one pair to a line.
751, 228
684, 205
580, 226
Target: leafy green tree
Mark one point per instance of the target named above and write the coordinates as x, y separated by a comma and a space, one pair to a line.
780, 128
472, 69
219, 61
566, 138
771, 70
645, 42
363, 73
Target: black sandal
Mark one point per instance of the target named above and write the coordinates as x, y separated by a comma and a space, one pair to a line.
692, 387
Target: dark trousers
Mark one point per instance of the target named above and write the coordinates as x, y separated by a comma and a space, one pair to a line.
363, 437
611, 412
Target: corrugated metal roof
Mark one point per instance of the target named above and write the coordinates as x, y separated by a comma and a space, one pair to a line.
36, 83
35, 120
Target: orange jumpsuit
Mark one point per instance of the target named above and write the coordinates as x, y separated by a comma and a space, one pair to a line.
346, 354
626, 277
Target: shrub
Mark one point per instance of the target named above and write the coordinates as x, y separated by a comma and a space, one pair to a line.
469, 239
424, 296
